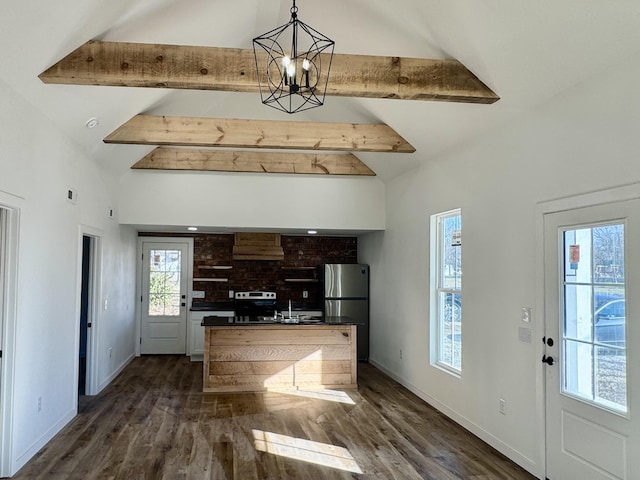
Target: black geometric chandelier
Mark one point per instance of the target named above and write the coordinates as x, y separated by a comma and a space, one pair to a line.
294, 73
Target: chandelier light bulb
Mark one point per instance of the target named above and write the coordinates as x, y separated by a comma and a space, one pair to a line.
289, 50
305, 67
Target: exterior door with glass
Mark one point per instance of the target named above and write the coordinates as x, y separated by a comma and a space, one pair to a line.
592, 269
163, 326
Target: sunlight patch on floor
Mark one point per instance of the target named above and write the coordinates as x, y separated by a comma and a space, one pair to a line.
305, 450
320, 394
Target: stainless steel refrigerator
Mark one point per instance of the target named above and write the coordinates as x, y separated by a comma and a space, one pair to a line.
346, 292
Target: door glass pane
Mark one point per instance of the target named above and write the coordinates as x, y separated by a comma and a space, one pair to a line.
577, 256
609, 316
594, 323
164, 283
611, 371
577, 312
578, 368
608, 254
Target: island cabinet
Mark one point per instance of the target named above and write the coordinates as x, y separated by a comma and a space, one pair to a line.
268, 357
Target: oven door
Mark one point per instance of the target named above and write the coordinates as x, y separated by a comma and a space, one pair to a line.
255, 308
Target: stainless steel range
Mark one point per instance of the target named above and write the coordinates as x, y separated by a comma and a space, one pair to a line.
255, 304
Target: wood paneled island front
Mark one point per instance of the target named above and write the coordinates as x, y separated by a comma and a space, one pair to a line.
241, 356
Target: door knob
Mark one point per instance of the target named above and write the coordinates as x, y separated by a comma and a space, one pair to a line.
547, 360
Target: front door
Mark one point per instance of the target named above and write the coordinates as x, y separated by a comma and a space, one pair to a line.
164, 297
592, 337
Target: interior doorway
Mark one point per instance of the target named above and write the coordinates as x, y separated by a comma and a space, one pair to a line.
90, 260
84, 313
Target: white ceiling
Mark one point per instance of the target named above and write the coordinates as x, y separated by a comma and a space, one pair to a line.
527, 52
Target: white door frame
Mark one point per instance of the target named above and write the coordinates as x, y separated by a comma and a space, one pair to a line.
139, 270
601, 197
93, 317
8, 319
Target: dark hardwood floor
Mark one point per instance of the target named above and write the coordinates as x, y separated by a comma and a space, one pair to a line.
153, 422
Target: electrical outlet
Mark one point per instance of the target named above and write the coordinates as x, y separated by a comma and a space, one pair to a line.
503, 406
305, 294
39, 404
230, 293
526, 314
400, 354
110, 352
72, 196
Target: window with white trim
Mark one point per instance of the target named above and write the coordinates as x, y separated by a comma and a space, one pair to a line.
446, 281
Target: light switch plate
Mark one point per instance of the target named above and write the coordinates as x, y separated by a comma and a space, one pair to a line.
526, 314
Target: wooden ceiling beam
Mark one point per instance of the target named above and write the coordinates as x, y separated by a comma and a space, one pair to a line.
236, 133
252, 161
233, 69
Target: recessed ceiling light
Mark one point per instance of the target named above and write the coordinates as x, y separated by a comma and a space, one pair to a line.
193, 229
91, 123
312, 232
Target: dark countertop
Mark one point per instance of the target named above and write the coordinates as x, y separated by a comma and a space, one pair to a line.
215, 321
212, 307
229, 306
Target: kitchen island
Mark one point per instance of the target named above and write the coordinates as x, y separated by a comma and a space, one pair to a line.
252, 354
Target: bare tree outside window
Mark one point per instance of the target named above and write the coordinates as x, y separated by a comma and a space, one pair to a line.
164, 283
448, 290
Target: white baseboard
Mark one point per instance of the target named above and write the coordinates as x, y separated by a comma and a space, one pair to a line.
21, 460
115, 373
514, 455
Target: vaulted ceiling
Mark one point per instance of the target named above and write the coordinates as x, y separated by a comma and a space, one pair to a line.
525, 52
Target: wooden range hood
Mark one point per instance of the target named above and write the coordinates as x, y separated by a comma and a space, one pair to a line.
257, 246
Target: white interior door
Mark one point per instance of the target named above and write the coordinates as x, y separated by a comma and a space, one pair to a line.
3, 275
163, 326
4, 443
592, 327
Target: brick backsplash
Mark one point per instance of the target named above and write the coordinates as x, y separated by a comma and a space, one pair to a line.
299, 251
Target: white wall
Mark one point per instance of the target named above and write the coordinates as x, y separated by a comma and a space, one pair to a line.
37, 166
252, 201
583, 141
